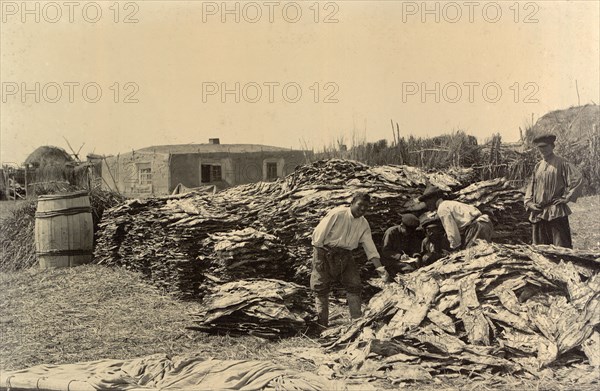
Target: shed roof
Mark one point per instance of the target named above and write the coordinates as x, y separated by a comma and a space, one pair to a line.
213, 148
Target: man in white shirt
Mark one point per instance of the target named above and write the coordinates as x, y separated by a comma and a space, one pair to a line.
334, 238
463, 223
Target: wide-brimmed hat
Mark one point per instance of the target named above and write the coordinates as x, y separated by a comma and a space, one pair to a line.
409, 220
544, 139
431, 192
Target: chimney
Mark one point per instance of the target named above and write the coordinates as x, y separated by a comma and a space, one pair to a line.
214, 141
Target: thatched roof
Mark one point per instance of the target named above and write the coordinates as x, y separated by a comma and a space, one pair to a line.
48, 155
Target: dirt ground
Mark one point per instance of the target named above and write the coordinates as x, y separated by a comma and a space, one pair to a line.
92, 312
585, 223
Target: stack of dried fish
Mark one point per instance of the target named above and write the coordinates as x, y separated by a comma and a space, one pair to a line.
504, 204
486, 309
292, 207
262, 307
161, 238
247, 253
185, 241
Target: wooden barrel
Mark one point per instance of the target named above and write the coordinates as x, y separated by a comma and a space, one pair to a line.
64, 233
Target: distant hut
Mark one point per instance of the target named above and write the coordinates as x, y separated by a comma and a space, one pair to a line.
49, 170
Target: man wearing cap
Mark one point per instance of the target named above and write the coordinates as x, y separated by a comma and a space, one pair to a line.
463, 223
435, 245
554, 183
400, 243
333, 240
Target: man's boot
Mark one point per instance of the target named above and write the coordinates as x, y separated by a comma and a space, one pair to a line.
354, 305
322, 307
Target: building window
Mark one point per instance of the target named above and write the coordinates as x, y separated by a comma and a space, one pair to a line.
271, 171
144, 174
210, 173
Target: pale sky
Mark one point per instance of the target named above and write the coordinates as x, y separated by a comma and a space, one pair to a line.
373, 63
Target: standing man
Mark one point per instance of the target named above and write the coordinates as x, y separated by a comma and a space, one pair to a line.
554, 183
463, 223
334, 238
400, 243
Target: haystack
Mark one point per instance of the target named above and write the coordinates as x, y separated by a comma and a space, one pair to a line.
574, 125
578, 139
48, 156
49, 170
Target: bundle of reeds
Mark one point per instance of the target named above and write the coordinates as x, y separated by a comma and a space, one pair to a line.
456, 149
514, 161
16, 237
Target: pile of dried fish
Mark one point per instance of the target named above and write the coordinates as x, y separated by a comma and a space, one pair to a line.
261, 307
491, 308
247, 253
185, 243
504, 204
161, 238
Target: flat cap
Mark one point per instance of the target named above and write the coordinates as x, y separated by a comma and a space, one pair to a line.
410, 220
544, 139
430, 192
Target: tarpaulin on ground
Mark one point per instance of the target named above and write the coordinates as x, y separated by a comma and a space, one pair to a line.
161, 372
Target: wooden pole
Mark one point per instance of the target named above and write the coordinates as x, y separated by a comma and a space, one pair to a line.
26, 189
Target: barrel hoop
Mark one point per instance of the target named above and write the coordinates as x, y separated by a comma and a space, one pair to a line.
78, 194
65, 252
63, 212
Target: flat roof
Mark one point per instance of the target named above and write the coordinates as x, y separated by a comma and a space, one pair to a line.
213, 148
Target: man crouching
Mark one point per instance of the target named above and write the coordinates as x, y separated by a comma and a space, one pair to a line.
334, 238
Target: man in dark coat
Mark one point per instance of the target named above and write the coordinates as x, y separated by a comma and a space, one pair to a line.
401, 243
435, 245
554, 183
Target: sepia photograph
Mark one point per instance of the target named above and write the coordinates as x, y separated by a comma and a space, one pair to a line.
303, 195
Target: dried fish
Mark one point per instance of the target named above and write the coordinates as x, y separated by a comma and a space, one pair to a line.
522, 321
208, 234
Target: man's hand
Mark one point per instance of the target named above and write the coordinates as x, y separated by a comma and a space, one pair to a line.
560, 201
383, 274
535, 207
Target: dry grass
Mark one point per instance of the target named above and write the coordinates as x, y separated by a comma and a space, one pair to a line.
93, 312
17, 242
